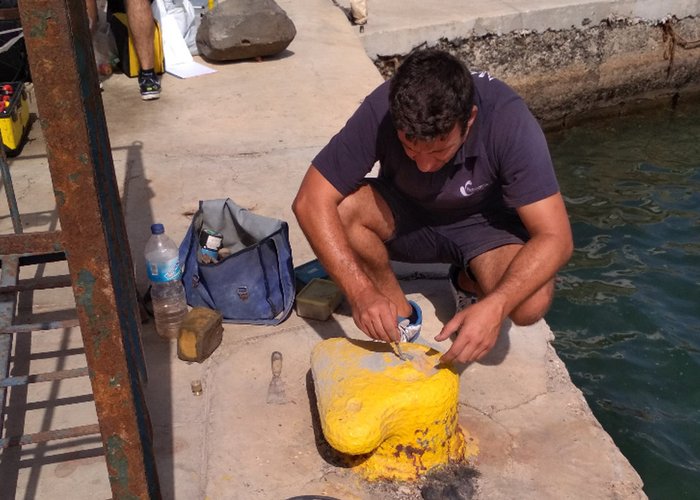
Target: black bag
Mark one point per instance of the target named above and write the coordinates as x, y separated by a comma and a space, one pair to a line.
14, 64
255, 283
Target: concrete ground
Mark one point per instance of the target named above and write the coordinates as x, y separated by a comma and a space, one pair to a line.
249, 132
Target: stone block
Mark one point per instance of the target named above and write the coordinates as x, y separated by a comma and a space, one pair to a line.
244, 29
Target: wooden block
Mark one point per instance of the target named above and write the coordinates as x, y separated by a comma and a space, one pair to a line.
200, 334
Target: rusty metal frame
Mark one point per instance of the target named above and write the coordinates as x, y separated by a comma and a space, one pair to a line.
93, 237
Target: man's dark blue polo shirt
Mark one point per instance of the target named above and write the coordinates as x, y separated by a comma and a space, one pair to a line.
503, 163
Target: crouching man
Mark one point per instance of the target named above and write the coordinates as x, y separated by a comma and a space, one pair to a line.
465, 178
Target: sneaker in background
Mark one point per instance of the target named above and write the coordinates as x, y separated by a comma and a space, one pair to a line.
411, 331
149, 85
463, 299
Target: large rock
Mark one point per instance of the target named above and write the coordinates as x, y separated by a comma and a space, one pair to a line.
243, 29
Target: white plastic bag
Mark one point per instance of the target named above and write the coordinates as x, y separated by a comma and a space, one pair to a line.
178, 59
104, 46
175, 49
177, 16
186, 20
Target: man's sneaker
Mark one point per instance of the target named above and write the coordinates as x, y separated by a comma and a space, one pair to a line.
411, 331
149, 86
463, 299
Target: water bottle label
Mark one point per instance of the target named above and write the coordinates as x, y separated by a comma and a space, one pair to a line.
164, 271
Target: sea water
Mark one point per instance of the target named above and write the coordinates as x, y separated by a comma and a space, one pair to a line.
626, 315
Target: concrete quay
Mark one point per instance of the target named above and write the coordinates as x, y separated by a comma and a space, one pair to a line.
249, 132
396, 27
584, 58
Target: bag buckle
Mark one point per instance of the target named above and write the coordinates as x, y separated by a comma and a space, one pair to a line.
195, 280
243, 292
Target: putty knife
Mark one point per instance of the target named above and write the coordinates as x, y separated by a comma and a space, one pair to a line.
275, 393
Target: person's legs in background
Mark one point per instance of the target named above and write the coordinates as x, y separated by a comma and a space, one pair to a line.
358, 11
142, 28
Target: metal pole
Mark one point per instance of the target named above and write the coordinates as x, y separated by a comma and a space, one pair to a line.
93, 235
9, 190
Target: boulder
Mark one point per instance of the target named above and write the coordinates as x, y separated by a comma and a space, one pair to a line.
244, 29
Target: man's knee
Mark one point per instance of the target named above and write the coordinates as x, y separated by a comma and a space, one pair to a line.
535, 307
366, 209
350, 209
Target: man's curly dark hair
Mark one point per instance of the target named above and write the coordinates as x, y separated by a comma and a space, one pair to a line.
431, 91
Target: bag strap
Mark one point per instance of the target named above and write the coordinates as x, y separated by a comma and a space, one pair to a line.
286, 280
186, 247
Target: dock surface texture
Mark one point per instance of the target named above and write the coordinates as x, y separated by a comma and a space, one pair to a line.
248, 132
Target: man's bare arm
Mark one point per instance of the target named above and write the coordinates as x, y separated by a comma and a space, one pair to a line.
316, 209
549, 248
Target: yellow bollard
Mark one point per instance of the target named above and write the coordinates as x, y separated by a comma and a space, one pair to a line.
391, 419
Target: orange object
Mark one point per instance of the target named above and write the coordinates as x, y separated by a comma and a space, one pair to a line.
104, 69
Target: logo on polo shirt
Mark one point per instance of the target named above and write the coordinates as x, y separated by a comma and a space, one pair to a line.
483, 74
467, 190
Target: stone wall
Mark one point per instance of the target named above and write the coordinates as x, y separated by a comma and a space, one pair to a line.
568, 75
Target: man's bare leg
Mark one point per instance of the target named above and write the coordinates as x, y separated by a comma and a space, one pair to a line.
368, 222
142, 28
489, 267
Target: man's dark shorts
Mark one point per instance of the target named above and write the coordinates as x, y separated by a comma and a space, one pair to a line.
421, 239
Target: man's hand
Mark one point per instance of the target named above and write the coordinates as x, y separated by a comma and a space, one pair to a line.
375, 315
510, 278
477, 329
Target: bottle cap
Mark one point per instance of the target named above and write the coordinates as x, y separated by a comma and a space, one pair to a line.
157, 229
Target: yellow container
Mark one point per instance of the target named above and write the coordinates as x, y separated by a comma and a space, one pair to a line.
128, 60
14, 117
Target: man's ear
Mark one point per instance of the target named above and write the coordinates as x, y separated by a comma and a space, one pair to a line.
472, 116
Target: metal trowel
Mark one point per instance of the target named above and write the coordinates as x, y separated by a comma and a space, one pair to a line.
276, 393
396, 347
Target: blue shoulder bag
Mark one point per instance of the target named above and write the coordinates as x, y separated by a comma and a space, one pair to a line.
254, 282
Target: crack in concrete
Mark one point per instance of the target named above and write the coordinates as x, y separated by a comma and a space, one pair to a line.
509, 408
208, 378
263, 336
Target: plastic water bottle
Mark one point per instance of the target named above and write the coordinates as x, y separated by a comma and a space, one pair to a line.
167, 292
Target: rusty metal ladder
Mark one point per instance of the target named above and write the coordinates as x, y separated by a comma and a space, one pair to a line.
101, 273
